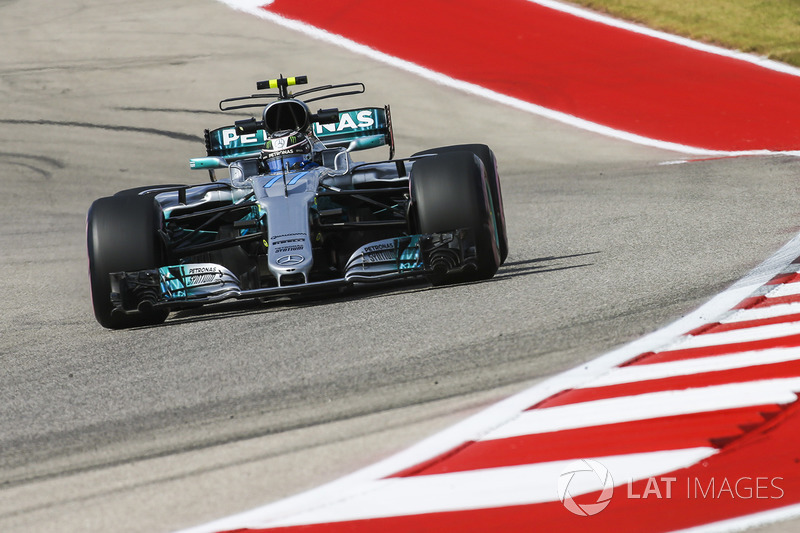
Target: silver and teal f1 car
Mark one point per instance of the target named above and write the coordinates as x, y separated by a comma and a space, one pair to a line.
294, 213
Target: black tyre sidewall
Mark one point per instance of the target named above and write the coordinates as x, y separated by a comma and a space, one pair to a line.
489, 160
121, 235
449, 192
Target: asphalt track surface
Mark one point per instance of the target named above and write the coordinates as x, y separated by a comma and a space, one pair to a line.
217, 412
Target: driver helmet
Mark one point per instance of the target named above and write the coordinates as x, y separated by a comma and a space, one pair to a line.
286, 150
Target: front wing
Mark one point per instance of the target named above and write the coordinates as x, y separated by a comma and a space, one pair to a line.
188, 285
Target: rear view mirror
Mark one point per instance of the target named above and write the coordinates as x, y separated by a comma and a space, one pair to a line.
247, 126
326, 116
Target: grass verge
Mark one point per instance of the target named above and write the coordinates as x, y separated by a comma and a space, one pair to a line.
768, 28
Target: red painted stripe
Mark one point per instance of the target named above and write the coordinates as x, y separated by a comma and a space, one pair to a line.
788, 341
655, 434
788, 277
744, 324
763, 301
757, 473
705, 379
590, 70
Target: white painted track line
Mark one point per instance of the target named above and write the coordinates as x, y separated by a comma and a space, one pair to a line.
638, 373
487, 488
647, 406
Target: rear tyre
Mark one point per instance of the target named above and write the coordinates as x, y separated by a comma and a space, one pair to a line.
449, 192
122, 235
486, 156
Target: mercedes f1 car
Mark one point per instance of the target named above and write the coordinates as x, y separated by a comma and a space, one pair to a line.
295, 214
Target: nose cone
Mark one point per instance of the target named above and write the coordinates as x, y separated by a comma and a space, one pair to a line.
290, 255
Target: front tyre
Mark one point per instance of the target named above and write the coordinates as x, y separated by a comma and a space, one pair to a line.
449, 192
122, 236
486, 155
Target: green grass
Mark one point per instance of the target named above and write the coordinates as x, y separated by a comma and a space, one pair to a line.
768, 28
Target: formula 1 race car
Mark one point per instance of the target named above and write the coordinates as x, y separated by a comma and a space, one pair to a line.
295, 214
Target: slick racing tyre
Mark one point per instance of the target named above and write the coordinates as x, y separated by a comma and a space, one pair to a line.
449, 192
486, 155
122, 236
